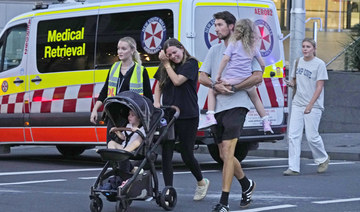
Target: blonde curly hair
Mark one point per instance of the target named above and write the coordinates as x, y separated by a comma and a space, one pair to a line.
244, 30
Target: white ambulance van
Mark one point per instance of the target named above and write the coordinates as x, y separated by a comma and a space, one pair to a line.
54, 61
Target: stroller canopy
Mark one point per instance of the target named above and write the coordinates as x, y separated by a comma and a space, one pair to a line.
117, 108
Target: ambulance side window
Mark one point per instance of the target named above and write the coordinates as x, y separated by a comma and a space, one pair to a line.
149, 29
12, 47
66, 44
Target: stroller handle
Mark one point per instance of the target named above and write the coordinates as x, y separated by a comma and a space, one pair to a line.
177, 110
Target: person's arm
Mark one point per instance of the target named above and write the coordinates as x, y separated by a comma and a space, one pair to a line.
135, 143
261, 62
147, 86
94, 112
253, 80
318, 90
157, 95
223, 63
176, 79
102, 96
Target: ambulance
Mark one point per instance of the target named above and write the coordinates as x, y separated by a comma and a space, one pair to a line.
54, 61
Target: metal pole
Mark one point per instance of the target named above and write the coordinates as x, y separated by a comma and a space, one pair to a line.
340, 8
297, 34
315, 31
326, 15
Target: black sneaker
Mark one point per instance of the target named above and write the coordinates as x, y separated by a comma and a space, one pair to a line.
246, 196
220, 208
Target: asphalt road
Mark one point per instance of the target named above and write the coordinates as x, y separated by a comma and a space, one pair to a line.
39, 179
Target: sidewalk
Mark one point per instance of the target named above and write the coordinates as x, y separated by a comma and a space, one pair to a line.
340, 146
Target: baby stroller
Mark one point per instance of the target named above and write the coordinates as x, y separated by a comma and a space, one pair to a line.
143, 184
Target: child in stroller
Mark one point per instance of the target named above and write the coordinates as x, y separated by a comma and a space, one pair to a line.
137, 142
128, 139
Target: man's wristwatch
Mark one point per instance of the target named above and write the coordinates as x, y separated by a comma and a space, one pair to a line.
233, 89
213, 85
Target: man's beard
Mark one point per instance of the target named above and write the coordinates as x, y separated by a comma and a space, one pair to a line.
225, 37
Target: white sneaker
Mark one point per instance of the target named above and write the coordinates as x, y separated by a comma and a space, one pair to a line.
201, 191
210, 121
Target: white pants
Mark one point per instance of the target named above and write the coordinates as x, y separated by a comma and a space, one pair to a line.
311, 122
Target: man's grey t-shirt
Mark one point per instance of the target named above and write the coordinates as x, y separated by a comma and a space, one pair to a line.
211, 67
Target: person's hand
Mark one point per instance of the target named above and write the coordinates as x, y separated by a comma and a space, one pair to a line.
163, 58
157, 104
134, 129
93, 117
308, 109
289, 83
223, 88
218, 79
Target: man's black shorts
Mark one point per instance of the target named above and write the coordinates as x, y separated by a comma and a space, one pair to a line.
229, 124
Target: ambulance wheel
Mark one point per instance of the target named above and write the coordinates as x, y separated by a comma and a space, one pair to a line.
241, 150
70, 150
121, 206
168, 198
96, 205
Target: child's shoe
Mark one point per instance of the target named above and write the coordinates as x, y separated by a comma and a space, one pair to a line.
267, 127
210, 121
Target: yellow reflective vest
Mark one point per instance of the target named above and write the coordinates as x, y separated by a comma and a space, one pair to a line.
136, 80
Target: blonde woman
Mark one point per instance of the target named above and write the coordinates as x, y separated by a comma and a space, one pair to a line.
306, 109
121, 78
237, 60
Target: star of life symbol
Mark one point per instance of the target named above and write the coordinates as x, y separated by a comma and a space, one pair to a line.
4, 86
153, 35
210, 35
266, 37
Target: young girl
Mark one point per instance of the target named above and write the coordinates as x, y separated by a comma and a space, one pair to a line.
129, 140
238, 57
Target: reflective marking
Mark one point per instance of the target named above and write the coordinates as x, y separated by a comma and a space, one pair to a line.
49, 171
267, 208
336, 201
32, 182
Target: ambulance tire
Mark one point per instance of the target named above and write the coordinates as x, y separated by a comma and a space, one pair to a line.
70, 150
241, 151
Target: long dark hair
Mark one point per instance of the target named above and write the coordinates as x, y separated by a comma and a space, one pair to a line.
164, 78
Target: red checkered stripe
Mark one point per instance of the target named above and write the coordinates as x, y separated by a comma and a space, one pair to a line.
76, 98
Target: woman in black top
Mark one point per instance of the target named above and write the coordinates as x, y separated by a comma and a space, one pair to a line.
177, 83
129, 59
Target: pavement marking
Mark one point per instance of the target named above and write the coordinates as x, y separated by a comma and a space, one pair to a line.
266, 167
336, 163
49, 171
267, 208
265, 159
32, 182
336, 201
87, 178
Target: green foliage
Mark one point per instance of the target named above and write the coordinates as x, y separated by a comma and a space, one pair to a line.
353, 51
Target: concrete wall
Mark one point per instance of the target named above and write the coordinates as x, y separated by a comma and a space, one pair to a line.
342, 103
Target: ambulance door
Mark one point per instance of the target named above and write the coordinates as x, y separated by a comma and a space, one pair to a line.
150, 27
62, 77
206, 35
13, 83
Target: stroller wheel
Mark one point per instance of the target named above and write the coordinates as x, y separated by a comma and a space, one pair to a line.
168, 198
121, 206
96, 205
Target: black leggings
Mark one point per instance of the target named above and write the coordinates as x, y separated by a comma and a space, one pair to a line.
185, 132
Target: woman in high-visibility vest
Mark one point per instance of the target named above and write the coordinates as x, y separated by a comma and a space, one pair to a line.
126, 74
178, 76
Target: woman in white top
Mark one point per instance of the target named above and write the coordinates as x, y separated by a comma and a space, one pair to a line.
307, 107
